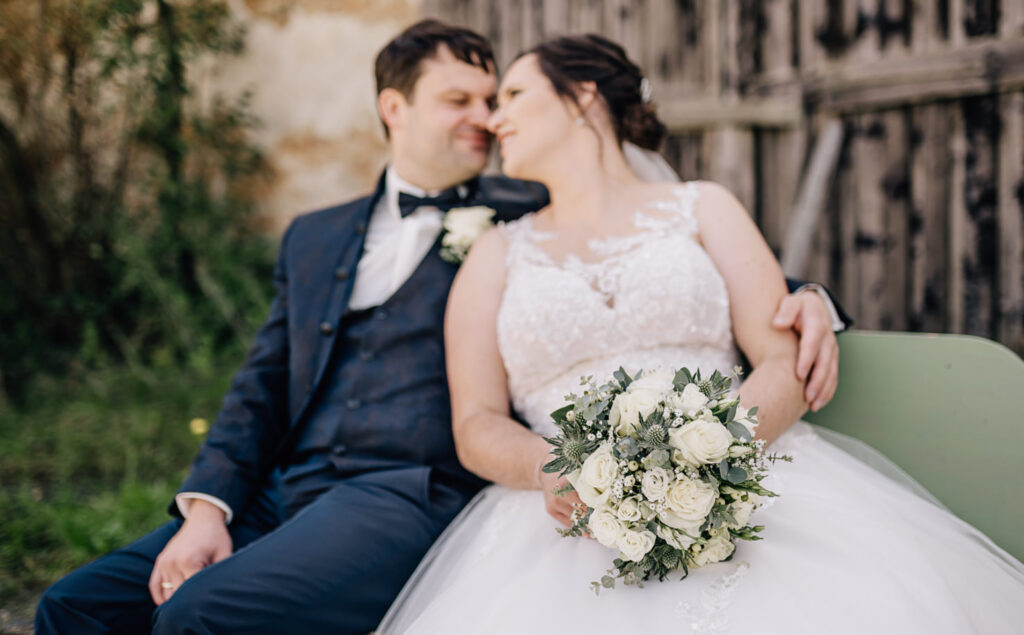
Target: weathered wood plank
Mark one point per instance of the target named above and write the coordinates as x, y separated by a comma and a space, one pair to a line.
688, 113
959, 224
924, 26
712, 45
847, 203
896, 188
556, 18
973, 69
585, 16
684, 152
810, 18
803, 222
730, 153
868, 153
624, 23
777, 43
866, 44
930, 167
1011, 222
981, 258
895, 27
1011, 23
532, 24
781, 160
957, 34
508, 14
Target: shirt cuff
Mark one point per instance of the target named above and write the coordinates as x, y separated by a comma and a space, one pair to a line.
837, 323
184, 499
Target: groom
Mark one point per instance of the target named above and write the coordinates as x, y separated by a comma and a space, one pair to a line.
343, 393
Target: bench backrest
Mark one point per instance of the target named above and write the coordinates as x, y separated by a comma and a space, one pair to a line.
948, 409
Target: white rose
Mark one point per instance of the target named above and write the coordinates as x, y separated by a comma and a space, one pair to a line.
701, 441
715, 550
742, 418
634, 545
600, 468
640, 399
690, 401
741, 511
658, 382
629, 510
674, 538
594, 480
689, 502
628, 408
465, 224
655, 483
605, 528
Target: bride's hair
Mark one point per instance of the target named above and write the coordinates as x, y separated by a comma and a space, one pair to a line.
571, 60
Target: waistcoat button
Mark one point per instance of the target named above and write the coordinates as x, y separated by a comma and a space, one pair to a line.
326, 328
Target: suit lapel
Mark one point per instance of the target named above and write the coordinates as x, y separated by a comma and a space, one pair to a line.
341, 279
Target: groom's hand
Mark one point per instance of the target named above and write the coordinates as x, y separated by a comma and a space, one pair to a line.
202, 540
807, 314
560, 507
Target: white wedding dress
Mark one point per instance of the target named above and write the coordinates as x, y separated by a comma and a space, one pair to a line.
846, 549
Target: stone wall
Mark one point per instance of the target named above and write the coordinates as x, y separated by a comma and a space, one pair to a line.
308, 66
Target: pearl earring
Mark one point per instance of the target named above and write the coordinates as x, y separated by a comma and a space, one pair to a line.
580, 121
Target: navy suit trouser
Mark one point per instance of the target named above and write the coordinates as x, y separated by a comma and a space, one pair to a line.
335, 566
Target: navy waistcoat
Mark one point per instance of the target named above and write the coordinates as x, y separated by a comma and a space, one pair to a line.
383, 402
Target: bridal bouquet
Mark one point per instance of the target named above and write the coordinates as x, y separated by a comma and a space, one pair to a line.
667, 466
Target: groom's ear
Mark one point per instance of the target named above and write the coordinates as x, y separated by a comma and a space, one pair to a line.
390, 104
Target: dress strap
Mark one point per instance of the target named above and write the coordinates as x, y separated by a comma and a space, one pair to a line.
677, 212
522, 239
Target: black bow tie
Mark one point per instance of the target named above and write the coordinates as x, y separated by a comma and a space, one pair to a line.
408, 203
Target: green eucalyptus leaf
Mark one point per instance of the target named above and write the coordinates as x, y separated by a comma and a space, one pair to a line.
739, 431
737, 475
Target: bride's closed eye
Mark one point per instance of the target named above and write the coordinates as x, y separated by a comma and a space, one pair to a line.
508, 94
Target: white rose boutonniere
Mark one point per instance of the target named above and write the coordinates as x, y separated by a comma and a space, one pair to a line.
460, 229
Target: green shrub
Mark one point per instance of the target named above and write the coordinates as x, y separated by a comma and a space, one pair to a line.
89, 466
127, 207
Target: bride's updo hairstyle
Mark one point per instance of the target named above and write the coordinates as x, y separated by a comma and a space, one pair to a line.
570, 60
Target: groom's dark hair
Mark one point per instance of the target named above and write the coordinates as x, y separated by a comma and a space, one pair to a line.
399, 63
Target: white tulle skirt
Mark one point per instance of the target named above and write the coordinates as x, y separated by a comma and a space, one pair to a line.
848, 548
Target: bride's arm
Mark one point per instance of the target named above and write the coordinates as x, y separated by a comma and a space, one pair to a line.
489, 442
755, 285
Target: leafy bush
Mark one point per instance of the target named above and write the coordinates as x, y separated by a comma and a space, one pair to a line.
91, 465
127, 206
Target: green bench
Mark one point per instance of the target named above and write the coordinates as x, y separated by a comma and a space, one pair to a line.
949, 410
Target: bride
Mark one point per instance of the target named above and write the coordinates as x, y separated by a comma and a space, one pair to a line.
621, 272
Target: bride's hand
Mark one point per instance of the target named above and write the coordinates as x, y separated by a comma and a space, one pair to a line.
560, 507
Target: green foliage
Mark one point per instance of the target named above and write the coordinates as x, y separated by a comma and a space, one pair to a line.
132, 270
126, 201
91, 465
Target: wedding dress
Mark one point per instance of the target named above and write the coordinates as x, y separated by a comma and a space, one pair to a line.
846, 548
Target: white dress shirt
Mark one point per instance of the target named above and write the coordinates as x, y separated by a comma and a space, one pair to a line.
394, 248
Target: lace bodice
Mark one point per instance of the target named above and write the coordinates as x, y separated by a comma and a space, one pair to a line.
650, 299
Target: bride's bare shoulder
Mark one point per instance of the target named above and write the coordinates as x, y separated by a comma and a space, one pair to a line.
487, 254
